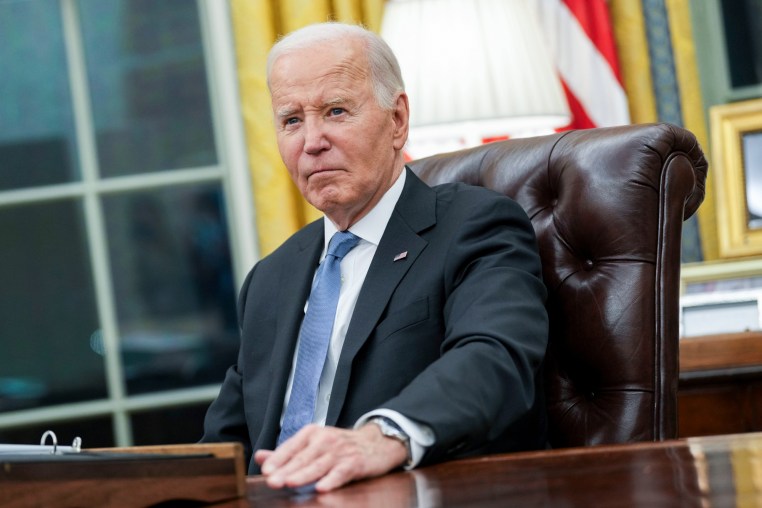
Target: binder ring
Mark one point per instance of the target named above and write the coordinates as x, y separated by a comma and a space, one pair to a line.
52, 435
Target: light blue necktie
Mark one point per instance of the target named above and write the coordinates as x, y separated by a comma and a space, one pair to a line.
315, 336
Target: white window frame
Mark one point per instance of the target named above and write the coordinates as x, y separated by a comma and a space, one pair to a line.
231, 170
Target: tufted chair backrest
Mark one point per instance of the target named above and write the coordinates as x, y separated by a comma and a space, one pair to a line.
607, 206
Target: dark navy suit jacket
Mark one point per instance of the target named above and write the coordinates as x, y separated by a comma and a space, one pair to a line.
453, 335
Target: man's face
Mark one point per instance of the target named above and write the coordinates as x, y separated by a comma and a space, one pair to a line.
341, 148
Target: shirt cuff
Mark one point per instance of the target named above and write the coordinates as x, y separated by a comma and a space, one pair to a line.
421, 436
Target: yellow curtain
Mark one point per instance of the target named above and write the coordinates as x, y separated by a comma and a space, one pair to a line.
692, 106
280, 209
632, 48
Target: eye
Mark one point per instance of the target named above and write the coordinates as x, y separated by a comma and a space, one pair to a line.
336, 111
290, 121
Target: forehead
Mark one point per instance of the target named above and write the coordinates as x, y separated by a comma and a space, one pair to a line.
319, 69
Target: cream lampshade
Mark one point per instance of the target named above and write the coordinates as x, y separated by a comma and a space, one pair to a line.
473, 69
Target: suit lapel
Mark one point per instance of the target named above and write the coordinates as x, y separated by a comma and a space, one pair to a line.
415, 211
297, 271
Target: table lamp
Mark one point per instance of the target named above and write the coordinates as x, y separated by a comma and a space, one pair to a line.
473, 70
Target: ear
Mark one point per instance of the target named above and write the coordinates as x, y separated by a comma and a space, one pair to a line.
401, 118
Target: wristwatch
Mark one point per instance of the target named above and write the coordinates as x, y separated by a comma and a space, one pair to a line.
390, 429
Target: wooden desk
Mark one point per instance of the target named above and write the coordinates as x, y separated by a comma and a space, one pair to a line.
709, 471
720, 384
171, 475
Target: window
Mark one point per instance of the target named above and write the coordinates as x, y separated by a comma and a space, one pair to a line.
728, 38
742, 26
125, 220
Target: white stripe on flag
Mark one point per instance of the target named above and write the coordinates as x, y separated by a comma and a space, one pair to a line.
583, 68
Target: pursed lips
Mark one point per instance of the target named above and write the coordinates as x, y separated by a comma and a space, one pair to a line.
320, 171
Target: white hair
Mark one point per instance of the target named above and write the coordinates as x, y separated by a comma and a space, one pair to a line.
385, 74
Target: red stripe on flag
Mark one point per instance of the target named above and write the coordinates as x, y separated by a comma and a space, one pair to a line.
594, 18
492, 139
580, 120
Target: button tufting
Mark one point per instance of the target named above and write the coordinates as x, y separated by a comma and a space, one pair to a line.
589, 264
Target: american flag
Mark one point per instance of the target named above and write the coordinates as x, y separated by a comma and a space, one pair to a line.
580, 38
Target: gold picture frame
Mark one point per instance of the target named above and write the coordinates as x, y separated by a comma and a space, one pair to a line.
737, 168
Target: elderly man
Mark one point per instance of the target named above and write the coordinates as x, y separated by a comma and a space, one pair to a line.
408, 325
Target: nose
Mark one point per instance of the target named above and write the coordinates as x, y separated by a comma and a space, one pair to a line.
315, 140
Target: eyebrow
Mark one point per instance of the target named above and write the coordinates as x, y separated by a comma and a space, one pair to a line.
335, 102
287, 111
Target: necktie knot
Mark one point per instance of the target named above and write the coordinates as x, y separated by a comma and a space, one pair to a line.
341, 243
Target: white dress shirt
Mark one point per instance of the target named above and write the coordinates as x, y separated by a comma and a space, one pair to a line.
354, 268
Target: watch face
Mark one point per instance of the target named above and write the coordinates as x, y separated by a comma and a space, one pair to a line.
390, 429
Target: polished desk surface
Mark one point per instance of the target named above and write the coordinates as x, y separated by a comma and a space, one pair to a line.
713, 471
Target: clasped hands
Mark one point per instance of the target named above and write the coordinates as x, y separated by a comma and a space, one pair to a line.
330, 457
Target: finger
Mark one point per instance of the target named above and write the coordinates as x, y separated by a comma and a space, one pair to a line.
341, 474
307, 473
260, 456
309, 463
284, 452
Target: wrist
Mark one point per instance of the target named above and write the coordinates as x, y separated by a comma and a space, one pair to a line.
391, 431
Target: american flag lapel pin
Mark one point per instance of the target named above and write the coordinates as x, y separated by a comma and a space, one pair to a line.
401, 255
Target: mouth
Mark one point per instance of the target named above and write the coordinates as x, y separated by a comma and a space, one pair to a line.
321, 171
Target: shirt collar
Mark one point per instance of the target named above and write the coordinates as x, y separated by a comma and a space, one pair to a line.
371, 227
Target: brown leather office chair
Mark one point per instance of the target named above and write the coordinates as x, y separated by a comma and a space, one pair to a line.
608, 206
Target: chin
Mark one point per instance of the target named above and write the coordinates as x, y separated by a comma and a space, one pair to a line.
325, 199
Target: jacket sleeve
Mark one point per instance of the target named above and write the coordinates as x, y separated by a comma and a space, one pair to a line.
486, 380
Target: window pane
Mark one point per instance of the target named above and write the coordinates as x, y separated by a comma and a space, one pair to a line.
742, 20
95, 432
47, 308
174, 285
37, 145
148, 84
169, 426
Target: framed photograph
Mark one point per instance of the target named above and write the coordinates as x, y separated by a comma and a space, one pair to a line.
737, 168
